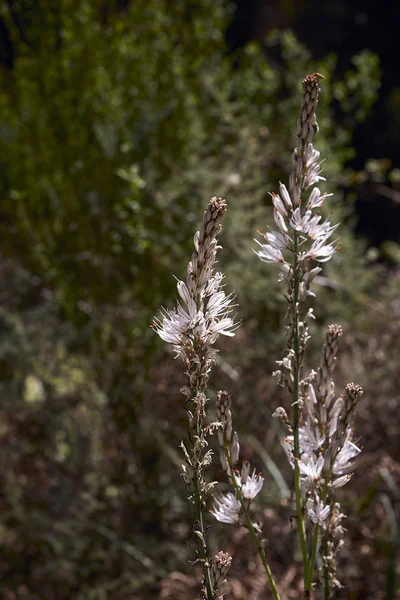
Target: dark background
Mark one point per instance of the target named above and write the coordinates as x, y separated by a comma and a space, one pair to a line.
345, 28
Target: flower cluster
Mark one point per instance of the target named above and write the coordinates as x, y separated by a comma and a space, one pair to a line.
320, 443
228, 507
320, 446
325, 434
203, 310
201, 314
326, 446
301, 229
332, 541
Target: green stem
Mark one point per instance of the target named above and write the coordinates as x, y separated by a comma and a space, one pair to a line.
296, 383
316, 534
312, 561
203, 545
250, 527
261, 554
198, 503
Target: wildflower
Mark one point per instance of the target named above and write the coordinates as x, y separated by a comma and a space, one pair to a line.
285, 196
311, 469
279, 219
203, 311
343, 460
289, 210
319, 512
319, 251
319, 445
279, 205
270, 253
316, 199
227, 509
332, 541
250, 485
311, 440
340, 481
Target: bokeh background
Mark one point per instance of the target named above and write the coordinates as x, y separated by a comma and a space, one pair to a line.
118, 120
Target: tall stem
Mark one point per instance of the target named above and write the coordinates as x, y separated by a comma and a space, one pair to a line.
316, 537
312, 561
296, 415
202, 542
250, 527
198, 491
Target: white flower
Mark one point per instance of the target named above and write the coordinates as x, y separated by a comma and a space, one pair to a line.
311, 275
310, 438
349, 451
218, 305
311, 226
311, 401
285, 196
319, 512
311, 155
316, 200
279, 205
185, 323
320, 232
313, 174
174, 325
252, 485
300, 222
310, 468
319, 251
226, 509
276, 239
280, 221
187, 298
340, 481
224, 327
269, 254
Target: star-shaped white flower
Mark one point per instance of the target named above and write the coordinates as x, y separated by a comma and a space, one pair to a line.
227, 508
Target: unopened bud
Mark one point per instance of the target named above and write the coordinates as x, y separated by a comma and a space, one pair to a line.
281, 415
223, 404
219, 568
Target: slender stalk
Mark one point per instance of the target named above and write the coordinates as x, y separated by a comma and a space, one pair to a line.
296, 415
250, 527
261, 554
201, 314
198, 484
203, 544
300, 242
198, 510
316, 536
312, 560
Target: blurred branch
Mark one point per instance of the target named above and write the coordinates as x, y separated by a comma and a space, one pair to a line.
110, 535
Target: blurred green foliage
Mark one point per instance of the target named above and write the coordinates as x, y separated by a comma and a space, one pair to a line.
116, 126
